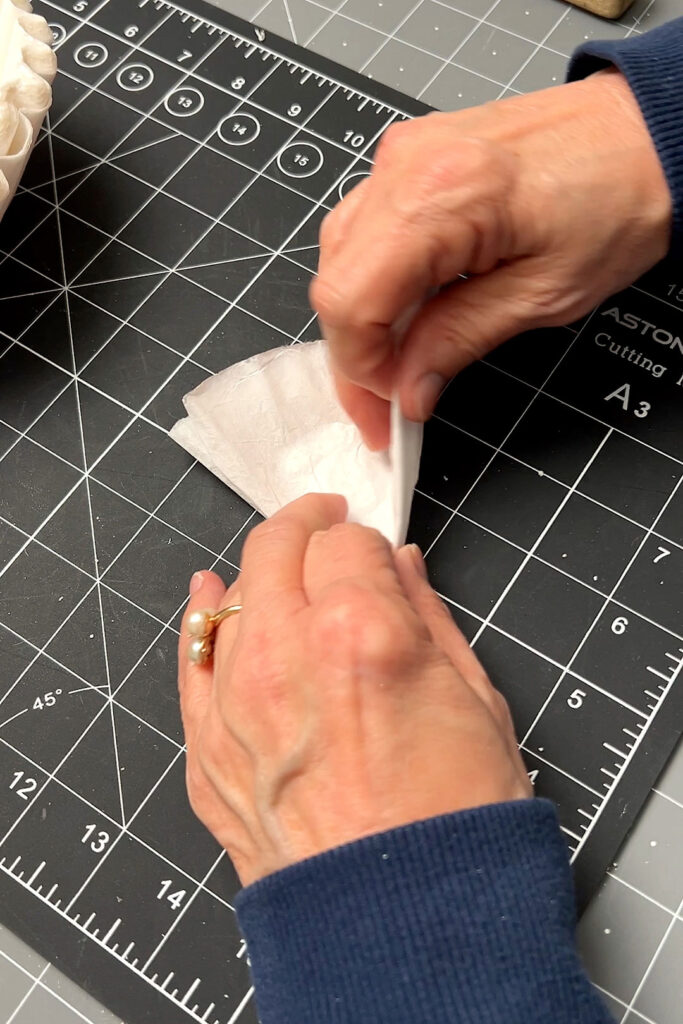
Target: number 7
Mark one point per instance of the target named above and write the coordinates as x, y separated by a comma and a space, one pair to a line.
663, 553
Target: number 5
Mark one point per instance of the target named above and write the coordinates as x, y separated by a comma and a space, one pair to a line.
575, 700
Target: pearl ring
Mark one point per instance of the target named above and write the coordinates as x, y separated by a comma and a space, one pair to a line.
201, 625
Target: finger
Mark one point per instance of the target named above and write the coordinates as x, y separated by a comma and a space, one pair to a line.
195, 681
450, 640
367, 410
357, 323
370, 413
273, 561
347, 552
404, 243
207, 590
376, 268
457, 327
337, 223
226, 634
445, 634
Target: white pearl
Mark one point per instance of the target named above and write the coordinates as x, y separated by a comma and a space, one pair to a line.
200, 650
200, 623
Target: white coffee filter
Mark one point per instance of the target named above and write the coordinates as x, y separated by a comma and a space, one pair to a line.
27, 68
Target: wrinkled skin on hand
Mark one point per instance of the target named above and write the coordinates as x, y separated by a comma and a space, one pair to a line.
342, 700
550, 202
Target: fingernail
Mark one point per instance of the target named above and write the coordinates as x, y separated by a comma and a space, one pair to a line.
196, 582
427, 391
418, 560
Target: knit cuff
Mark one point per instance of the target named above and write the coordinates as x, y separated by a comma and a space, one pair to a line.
653, 65
461, 913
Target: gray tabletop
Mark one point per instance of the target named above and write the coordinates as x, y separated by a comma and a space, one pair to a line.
456, 53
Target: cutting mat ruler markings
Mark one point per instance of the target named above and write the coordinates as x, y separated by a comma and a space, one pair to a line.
89, 928
218, 149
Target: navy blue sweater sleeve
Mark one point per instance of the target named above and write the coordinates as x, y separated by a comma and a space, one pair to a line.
653, 65
462, 919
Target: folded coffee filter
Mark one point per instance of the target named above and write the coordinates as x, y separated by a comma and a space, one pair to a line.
27, 68
272, 429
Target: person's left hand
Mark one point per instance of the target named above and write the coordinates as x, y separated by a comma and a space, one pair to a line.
342, 701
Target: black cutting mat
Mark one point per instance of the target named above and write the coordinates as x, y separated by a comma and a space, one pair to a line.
168, 227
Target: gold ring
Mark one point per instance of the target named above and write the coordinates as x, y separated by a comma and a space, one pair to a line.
201, 626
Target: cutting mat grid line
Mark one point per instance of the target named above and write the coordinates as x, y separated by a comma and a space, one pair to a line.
24, 435
215, 554
215, 222
194, 126
198, 883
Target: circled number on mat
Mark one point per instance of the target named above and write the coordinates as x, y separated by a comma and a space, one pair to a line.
184, 102
300, 159
91, 55
135, 77
239, 129
350, 182
58, 32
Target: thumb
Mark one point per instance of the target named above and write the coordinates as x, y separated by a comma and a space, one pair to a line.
445, 634
459, 326
412, 573
369, 412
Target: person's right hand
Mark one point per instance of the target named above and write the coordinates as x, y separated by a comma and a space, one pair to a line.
552, 201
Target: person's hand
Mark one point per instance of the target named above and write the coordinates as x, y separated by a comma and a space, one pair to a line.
342, 701
552, 201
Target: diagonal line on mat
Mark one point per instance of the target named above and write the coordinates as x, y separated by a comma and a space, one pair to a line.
290, 20
87, 490
139, 149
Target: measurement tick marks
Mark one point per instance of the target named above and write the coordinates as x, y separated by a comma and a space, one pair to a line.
182, 998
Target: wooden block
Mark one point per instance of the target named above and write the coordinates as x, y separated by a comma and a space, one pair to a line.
605, 8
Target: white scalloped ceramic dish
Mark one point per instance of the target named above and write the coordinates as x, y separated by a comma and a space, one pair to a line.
27, 68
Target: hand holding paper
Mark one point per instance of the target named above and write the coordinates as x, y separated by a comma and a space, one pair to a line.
272, 429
